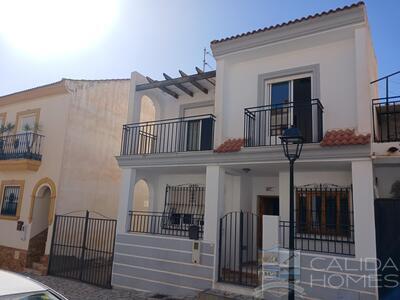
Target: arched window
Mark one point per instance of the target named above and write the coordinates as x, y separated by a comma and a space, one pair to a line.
141, 196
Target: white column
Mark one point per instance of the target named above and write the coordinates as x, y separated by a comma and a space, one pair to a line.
214, 208
363, 202
270, 238
363, 95
126, 199
219, 131
214, 202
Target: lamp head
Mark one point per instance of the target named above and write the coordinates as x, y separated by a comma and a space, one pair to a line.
292, 143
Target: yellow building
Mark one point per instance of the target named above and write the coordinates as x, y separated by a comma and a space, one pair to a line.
57, 148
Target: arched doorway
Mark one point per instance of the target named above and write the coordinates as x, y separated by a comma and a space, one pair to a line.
40, 218
141, 196
141, 215
146, 135
147, 110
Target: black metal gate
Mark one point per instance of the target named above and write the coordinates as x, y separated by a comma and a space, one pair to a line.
238, 249
82, 248
387, 224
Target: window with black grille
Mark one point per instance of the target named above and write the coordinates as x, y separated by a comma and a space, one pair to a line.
324, 209
10, 200
184, 206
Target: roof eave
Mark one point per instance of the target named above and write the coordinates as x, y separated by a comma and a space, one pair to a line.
287, 31
55, 88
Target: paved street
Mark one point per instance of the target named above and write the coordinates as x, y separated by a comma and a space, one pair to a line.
75, 290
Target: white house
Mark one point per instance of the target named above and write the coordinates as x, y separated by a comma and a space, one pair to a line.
205, 148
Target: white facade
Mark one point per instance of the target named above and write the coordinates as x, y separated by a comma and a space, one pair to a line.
335, 51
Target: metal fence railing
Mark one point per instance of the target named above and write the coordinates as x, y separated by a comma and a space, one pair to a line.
22, 145
263, 125
386, 109
386, 119
172, 224
318, 240
166, 136
82, 248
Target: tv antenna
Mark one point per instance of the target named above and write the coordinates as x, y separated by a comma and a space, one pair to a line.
205, 63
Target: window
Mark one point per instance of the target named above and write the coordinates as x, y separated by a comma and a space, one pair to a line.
27, 120
280, 93
324, 209
11, 198
290, 101
184, 206
193, 135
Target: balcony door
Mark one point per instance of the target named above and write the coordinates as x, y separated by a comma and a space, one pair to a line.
290, 101
199, 132
302, 114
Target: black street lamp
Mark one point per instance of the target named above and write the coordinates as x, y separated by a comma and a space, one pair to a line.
292, 142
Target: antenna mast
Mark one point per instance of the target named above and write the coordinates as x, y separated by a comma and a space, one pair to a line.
205, 63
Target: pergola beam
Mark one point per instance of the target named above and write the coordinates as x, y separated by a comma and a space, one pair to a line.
163, 88
194, 82
188, 78
200, 71
179, 85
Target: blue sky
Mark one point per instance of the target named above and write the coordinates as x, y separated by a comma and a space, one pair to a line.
156, 36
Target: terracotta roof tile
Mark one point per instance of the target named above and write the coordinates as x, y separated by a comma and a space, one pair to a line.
231, 145
289, 22
343, 137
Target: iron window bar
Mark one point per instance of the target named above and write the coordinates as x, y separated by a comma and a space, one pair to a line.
263, 125
183, 209
22, 145
168, 136
324, 220
10, 201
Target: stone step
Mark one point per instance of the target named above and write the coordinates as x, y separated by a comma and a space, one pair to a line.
35, 272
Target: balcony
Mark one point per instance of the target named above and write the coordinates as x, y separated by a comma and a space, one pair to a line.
182, 215
168, 136
263, 125
386, 110
386, 119
20, 151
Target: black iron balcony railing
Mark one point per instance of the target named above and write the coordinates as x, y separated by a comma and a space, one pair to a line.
173, 135
160, 223
23, 145
386, 110
386, 119
263, 125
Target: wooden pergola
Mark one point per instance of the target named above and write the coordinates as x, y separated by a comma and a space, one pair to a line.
186, 84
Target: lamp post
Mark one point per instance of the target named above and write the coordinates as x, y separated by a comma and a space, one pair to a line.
292, 142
